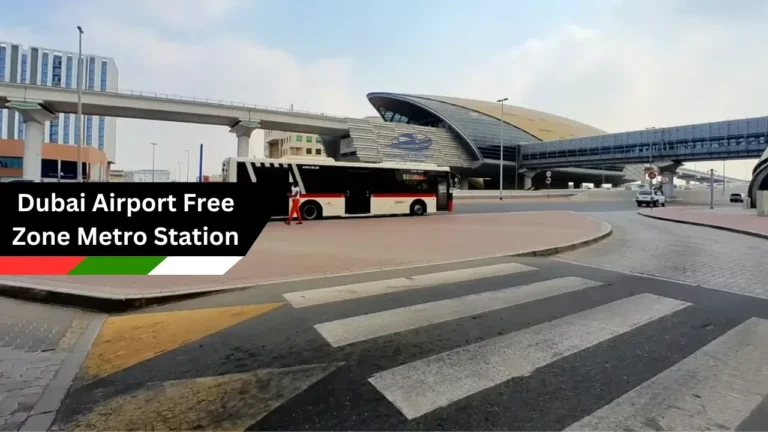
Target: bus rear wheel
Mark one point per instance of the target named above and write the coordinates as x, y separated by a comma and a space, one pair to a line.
311, 210
418, 208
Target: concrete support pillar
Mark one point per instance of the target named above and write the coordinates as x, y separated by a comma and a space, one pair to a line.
34, 115
243, 130
668, 189
33, 150
528, 180
244, 145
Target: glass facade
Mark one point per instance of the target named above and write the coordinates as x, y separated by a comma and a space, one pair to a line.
101, 133
480, 131
77, 129
54, 131
103, 83
91, 72
65, 132
89, 119
102, 120
89, 130
11, 162
44, 70
2, 63
68, 75
23, 80
56, 72
68, 117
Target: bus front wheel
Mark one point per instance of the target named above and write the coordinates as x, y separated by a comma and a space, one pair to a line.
311, 210
418, 208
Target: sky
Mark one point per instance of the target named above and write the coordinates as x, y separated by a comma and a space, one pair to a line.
617, 65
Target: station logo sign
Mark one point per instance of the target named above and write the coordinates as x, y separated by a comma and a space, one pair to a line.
412, 146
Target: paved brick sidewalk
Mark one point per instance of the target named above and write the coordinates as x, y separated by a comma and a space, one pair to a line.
34, 341
728, 218
316, 249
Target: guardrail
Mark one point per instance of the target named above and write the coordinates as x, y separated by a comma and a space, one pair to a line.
166, 96
484, 194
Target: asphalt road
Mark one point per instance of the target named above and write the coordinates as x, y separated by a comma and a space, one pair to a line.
568, 345
661, 326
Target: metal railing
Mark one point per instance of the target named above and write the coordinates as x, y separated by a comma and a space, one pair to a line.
194, 99
751, 145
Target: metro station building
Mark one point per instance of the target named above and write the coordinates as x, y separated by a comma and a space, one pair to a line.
759, 180
464, 135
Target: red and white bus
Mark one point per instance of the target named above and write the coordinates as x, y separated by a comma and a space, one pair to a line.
332, 189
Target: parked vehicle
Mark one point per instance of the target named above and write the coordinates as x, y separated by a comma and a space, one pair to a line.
737, 197
650, 198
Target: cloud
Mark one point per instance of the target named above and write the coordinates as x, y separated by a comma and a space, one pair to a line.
215, 65
666, 67
639, 64
653, 63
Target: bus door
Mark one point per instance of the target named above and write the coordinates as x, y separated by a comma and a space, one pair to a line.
442, 193
357, 198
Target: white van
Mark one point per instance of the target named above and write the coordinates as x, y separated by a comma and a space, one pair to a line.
650, 198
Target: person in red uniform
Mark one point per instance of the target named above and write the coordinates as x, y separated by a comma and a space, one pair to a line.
295, 195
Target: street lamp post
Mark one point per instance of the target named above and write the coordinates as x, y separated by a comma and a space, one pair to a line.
80, 75
501, 153
153, 161
187, 165
178, 171
723, 177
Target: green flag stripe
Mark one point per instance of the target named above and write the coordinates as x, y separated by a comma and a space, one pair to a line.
129, 265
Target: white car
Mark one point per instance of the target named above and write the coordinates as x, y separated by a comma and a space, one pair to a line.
650, 198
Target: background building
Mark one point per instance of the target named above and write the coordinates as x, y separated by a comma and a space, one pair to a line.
58, 164
146, 176
279, 144
57, 68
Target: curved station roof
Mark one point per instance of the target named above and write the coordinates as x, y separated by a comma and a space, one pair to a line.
477, 122
759, 178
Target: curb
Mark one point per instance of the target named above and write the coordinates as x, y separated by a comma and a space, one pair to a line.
719, 227
106, 303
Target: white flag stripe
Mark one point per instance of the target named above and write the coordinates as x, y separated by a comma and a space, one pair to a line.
347, 292
359, 328
716, 388
195, 265
425, 385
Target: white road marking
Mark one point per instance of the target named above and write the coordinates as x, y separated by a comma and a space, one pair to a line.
346, 292
422, 386
716, 388
363, 327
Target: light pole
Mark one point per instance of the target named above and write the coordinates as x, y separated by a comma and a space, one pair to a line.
603, 183
153, 161
178, 171
501, 153
723, 177
187, 165
711, 189
80, 75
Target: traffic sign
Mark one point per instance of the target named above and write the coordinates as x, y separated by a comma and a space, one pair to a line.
665, 180
549, 180
549, 174
651, 175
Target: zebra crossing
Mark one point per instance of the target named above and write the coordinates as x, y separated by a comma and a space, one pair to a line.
716, 387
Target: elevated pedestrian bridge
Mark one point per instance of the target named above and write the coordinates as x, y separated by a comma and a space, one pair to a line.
732, 139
